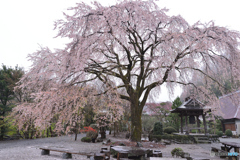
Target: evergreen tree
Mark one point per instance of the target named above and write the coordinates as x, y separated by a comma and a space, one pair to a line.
173, 119
8, 78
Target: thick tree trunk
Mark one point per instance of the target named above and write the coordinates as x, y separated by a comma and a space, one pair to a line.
103, 133
136, 122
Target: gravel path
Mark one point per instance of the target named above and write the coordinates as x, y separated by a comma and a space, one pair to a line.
29, 149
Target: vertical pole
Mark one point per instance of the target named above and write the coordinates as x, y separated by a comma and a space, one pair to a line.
204, 123
181, 123
187, 132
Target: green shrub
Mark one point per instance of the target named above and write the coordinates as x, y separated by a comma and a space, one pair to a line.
219, 133
148, 123
228, 133
158, 128
194, 131
92, 133
177, 152
94, 126
211, 131
86, 139
180, 138
169, 130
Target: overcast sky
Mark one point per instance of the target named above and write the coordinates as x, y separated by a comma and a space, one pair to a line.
27, 24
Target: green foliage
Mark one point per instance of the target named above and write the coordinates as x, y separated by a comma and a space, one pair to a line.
169, 130
176, 103
185, 139
228, 133
219, 124
92, 134
8, 78
194, 131
219, 133
163, 103
174, 120
92, 131
158, 128
88, 115
177, 152
148, 122
229, 85
94, 126
10, 128
86, 139
211, 131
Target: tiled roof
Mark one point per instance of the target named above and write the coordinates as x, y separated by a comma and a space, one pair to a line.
191, 104
230, 105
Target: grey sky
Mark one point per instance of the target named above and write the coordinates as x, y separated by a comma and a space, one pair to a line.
26, 24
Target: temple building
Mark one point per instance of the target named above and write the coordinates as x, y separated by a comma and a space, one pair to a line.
230, 112
190, 111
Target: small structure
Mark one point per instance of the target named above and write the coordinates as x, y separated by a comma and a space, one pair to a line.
192, 108
230, 112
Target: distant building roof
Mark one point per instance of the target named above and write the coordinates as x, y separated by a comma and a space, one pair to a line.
230, 105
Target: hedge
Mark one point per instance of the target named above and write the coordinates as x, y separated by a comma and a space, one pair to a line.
86, 139
219, 133
179, 138
169, 130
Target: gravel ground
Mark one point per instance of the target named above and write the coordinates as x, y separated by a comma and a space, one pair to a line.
29, 149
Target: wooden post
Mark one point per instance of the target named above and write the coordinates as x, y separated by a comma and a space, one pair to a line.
204, 123
198, 124
187, 132
181, 123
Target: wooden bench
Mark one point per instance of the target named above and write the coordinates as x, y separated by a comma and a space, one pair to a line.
222, 153
121, 155
66, 153
98, 156
157, 153
106, 152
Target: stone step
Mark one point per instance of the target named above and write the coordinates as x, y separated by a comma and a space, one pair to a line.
204, 141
